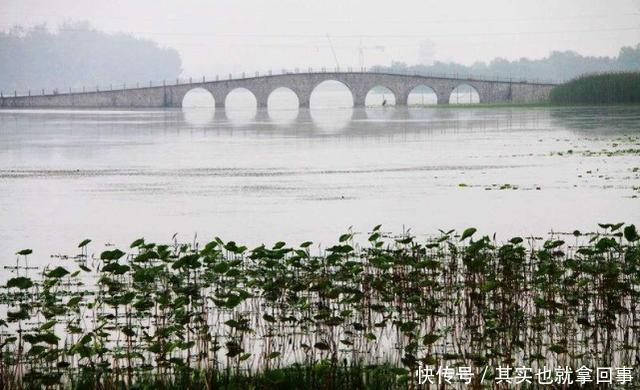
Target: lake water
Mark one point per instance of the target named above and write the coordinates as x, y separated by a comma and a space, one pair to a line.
259, 176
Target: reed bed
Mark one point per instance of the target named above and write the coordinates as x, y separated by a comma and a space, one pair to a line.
623, 87
218, 315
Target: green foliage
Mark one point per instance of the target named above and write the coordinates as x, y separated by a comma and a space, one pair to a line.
58, 272
225, 316
111, 255
467, 233
598, 89
631, 234
20, 282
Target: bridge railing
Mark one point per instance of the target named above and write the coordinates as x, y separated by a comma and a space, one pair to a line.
270, 72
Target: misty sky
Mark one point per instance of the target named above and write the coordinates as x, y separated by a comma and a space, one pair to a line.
217, 36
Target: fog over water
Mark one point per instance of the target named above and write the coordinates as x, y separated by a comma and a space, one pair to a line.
226, 36
263, 175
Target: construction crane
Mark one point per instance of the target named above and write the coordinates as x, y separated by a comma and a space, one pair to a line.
362, 48
335, 57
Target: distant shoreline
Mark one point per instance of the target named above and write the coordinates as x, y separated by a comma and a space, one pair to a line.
520, 105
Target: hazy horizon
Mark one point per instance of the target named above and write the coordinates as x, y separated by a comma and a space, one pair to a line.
258, 35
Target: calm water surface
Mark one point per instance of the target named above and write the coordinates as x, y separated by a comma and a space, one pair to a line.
279, 174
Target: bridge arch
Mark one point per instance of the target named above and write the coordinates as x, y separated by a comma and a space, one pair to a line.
282, 105
380, 95
240, 106
283, 98
422, 95
198, 98
240, 98
331, 93
465, 93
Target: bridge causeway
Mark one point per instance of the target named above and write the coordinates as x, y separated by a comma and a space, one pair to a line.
302, 84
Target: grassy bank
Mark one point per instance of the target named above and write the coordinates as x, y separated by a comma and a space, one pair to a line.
483, 105
220, 315
599, 89
526, 105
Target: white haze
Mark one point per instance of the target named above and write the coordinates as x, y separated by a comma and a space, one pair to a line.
221, 36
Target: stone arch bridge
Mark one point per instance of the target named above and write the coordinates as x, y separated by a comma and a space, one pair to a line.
302, 84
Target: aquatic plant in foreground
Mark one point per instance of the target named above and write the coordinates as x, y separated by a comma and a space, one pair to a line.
221, 315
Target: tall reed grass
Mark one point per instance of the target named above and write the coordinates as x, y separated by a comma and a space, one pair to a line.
598, 89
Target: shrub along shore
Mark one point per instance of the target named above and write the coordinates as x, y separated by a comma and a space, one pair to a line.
220, 315
607, 88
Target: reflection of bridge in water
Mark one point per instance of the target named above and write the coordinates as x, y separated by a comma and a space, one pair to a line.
382, 120
302, 84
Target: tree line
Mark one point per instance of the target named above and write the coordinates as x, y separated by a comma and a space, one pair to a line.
76, 55
558, 66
